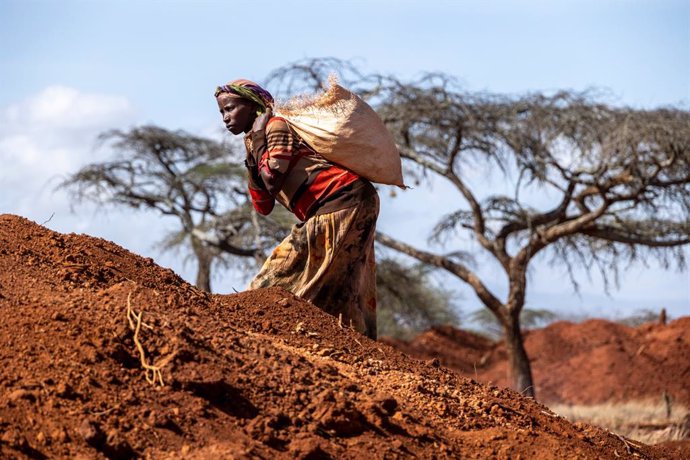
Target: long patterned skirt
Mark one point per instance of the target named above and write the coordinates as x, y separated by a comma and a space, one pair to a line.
329, 260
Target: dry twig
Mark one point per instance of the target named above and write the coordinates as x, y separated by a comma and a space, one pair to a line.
626, 443
152, 372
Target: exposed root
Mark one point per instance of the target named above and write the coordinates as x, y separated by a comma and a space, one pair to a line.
151, 372
301, 330
626, 443
131, 316
351, 327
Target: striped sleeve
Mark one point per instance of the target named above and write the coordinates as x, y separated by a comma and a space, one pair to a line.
262, 201
274, 150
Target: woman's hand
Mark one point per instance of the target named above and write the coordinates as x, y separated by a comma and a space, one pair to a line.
250, 161
255, 180
261, 121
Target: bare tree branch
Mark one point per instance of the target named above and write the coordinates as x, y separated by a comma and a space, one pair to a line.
455, 268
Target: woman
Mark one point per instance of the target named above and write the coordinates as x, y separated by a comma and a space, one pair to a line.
328, 258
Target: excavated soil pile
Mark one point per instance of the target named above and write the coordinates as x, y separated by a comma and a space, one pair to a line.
592, 362
260, 374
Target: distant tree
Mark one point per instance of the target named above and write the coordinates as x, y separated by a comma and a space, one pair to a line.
202, 183
593, 185
529, 319
641, 316
176, 174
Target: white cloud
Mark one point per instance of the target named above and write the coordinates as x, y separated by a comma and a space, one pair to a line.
49, 135
61, 106
53, 132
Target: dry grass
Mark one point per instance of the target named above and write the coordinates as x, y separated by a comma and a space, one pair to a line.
644, 421
329, 99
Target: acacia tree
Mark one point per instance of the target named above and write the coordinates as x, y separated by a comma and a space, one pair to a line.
593, 185
175, 174
202, 183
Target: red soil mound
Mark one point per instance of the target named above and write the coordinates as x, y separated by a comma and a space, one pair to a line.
592, 362
260, 374
459, 350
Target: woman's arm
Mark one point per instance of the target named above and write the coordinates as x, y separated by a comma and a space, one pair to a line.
274, 149
262, 201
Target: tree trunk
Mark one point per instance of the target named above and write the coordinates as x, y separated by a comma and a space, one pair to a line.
204, 259
519, 370
203, 275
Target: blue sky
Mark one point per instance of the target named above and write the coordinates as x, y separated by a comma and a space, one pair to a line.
71, 69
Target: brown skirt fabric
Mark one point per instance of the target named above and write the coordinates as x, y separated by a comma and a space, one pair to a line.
329, 260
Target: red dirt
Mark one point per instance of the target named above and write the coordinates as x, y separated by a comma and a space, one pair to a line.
593, 362
259, 374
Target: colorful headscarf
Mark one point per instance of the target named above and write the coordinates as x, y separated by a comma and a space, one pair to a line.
248, 90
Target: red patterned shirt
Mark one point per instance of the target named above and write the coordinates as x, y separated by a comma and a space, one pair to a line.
294, 174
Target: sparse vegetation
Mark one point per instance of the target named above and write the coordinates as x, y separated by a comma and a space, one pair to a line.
530, 318
583, 182
174, 174
408, 300
641, 316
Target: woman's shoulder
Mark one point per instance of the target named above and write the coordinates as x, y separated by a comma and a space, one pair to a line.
277, 124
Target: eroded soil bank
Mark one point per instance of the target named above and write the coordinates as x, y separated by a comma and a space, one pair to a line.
586, 363
259, 374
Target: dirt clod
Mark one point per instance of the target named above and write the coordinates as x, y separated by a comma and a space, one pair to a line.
241, 376
21, 393
91, 432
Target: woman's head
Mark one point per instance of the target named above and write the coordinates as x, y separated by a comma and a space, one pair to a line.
240, 101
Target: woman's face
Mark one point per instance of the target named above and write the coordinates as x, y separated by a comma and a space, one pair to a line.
238, 113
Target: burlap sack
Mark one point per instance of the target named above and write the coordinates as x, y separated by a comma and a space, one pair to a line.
345, 130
